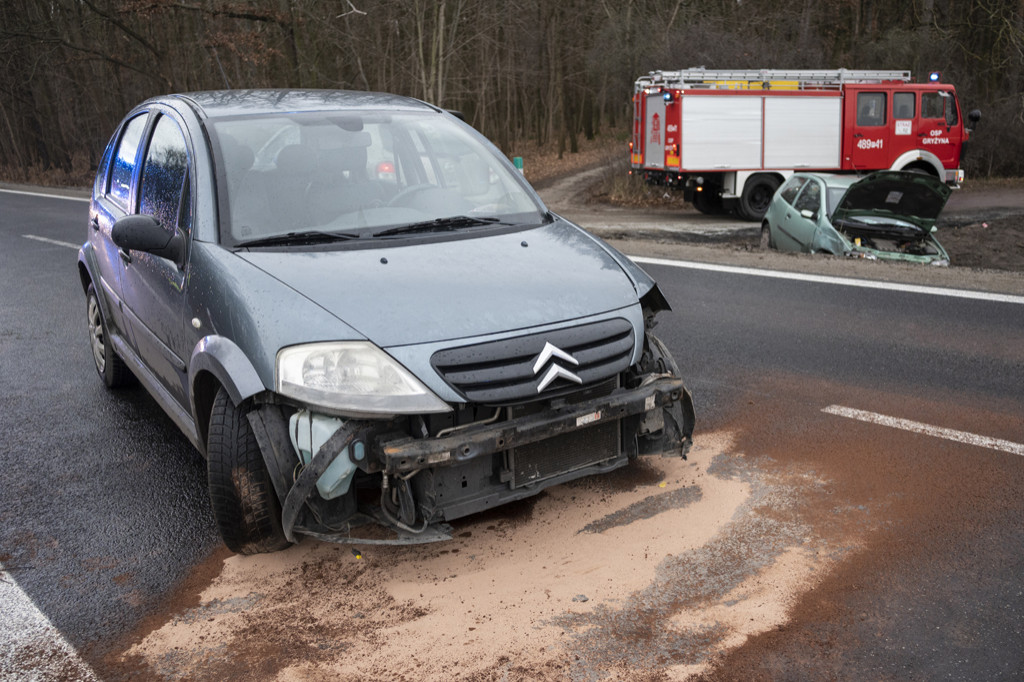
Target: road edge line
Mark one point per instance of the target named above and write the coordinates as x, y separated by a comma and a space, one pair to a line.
926, 429
829, 279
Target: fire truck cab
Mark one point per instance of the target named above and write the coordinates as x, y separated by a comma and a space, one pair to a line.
728, 139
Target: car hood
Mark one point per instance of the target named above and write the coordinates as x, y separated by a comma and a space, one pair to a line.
912, 197
399, 295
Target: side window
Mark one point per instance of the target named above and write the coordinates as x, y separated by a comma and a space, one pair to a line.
164, 173
124, 161
809, 199
903, 105
871, 108
939, 105
789, 192
99, 186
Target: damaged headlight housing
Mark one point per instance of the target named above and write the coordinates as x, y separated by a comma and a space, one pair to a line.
352, 377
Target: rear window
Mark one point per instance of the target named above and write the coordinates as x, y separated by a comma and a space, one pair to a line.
903, 105
792, 188
124, 162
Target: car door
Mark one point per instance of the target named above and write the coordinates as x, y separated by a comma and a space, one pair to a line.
154, 287
112, 199
781, 215
868, 149
939, 131
802, 222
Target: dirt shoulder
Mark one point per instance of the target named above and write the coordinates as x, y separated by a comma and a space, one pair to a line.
982, 229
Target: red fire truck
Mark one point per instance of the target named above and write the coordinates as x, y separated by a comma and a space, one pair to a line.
728, 139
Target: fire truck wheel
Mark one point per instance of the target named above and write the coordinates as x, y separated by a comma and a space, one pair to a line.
757, 195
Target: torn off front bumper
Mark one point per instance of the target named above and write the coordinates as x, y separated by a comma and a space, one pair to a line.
424, 481
407, 454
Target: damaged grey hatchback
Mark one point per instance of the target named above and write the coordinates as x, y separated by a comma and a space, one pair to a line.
362, 315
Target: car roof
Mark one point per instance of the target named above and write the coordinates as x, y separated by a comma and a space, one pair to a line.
222, 103
834, 181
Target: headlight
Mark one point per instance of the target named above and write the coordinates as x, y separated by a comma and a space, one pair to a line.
352, 377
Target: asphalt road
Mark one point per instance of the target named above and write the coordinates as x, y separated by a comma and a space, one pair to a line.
104, 510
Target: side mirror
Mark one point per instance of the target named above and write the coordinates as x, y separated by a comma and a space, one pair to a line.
810, 215
144, 233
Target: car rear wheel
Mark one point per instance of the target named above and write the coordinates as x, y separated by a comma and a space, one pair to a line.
108, 363
242, 495
766, 237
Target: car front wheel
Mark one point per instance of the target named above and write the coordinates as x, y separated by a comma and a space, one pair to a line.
242, 496
766, 237
108, 363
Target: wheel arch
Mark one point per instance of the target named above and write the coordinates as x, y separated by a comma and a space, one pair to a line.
84, 277
218, 362
918, 159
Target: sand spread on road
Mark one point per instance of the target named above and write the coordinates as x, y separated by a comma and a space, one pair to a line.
650, 571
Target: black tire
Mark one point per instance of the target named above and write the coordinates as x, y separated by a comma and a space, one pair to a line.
757, 195
766, 237
108, 363
242, 495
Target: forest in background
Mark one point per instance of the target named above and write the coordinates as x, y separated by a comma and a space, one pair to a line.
545, 72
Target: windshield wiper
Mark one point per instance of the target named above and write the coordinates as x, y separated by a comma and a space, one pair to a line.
302, 237
438, 225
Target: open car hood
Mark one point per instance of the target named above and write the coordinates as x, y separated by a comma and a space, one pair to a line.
915, 198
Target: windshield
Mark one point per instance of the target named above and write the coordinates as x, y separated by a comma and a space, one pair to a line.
361, 173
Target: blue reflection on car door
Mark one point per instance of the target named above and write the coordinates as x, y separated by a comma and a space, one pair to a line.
154, 287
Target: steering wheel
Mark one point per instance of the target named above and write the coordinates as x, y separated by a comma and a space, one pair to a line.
408, 192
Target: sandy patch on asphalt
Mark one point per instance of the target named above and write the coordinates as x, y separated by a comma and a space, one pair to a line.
652, 569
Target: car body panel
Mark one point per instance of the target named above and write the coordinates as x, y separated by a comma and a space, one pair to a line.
916, 198
520, 280
486, 295
887, 215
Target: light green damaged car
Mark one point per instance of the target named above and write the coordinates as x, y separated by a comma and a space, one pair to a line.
888, 215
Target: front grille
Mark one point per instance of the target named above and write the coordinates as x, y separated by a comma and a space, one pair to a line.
502, 372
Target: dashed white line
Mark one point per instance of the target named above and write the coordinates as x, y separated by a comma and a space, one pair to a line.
927, 429
56, 242
842, 281
31, 648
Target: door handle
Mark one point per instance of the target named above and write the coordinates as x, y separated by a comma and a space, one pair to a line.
95, 223
125, 255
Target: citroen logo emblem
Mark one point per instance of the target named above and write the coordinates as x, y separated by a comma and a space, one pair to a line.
555, 371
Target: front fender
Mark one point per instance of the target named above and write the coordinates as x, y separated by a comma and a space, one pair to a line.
217, 361
225, 360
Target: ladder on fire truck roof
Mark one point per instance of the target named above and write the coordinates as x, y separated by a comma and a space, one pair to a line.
792, 79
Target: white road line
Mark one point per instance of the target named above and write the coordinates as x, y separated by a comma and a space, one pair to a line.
30, 647
843, 281
927, 429
43, 194
57, 242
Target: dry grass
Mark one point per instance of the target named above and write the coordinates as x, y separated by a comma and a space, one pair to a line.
81, 174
